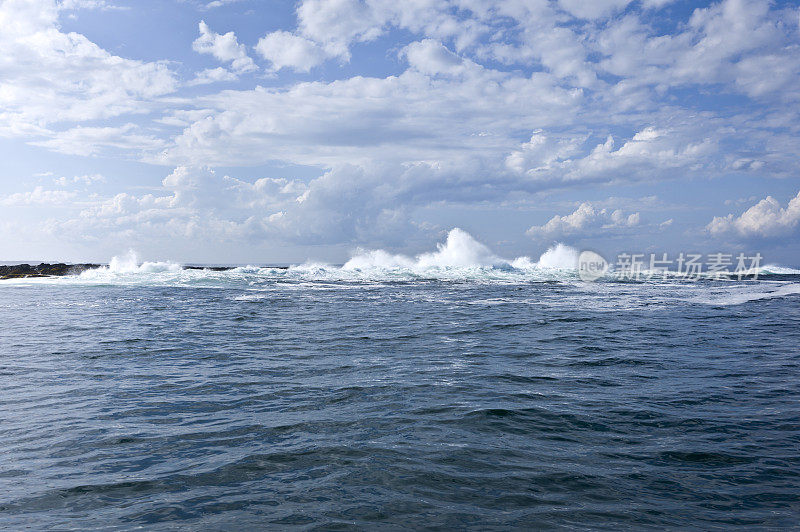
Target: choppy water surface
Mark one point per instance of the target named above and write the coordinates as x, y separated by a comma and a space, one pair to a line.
475, 398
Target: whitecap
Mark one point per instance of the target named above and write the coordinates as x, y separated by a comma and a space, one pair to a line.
741, 297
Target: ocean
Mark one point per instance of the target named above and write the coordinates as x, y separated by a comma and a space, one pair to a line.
399, 396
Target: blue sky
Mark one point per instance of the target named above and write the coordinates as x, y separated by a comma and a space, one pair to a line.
281, 131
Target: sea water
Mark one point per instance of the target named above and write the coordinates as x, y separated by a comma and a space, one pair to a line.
453, 390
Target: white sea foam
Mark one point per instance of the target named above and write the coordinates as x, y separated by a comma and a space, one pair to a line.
251, 297
246, 269
745, 294
559, 257
459, 258
778, 270
127, 269
129, 263
460, 251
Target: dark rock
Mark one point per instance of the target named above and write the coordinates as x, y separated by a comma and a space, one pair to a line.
17, 271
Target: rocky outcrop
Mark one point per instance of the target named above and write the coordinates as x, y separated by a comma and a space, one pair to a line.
18, 271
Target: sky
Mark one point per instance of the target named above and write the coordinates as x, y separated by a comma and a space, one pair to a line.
275, 131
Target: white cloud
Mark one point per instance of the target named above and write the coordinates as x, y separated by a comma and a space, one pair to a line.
767, 218
37, 196
649, 154
400, 118
419, 115
47, 76
543, 153
432, 57
220, 3
656, 4
287, 50
489, 102
90, 4
740, 43
86, 179
593, 9
586, 220
337, 23
224, 47
543, 41
213, 75
196, 202
649, 151
348, 204
87, 141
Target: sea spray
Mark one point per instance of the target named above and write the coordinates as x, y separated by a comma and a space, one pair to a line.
559, 256
460, 258
742, 293
129, 264
460, 251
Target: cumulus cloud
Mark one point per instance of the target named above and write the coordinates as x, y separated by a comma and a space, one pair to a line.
48, 76
586, 220
767, 218
86, 179
194, 202
86, 141
90, 4
213, 75
477, 101
544, 153
432, 57
346, 205
225, 48
647, 154
648, 150
594, 9
741, 43
287, 50
219, 3
403, 117
337, 23
37, 196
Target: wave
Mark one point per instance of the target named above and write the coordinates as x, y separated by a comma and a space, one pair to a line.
459, 258
460, 250
774, 269
559, 257
129, 264
791, 289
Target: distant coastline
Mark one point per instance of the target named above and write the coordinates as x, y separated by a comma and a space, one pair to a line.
18, 271
44, 269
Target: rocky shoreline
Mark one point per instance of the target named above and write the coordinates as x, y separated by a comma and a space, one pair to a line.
21, 271
18, 271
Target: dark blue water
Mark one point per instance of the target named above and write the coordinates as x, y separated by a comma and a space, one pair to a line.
344, 405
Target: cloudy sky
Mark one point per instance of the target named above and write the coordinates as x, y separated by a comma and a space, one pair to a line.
280, 131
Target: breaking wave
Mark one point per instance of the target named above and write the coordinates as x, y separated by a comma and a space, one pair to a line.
459, 258
774, 269
129, 264
741, 297
460, 250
